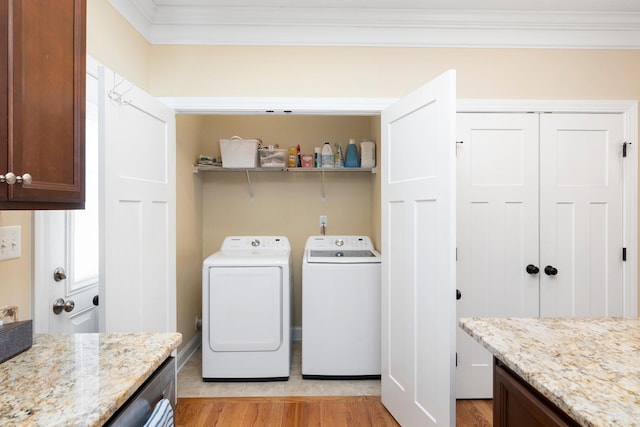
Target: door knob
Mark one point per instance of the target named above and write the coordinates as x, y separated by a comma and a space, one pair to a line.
60, 304
59, 274
96, 300
532, 269
458, 294
550, 271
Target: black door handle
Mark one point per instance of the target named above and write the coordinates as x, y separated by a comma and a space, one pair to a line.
458, 294
95, 300
550, 271
532, 269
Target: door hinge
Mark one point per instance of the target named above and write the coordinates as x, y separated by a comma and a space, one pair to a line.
624, 254
456, 358
624, 148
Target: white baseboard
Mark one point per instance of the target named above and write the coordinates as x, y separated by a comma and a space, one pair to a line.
187, 351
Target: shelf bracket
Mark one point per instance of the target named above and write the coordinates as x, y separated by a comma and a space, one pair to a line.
251, 194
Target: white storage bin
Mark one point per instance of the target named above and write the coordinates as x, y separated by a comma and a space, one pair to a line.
276, 158
239, 153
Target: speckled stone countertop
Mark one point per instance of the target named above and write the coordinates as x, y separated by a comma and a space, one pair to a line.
78, 379
590, 368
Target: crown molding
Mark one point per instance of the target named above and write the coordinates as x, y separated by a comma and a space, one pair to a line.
330, 26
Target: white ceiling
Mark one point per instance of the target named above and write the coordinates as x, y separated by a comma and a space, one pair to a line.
441, 23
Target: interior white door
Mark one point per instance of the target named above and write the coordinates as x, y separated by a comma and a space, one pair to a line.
555, 194
581, 215
67, 242
497, 192
418, 255
138, 269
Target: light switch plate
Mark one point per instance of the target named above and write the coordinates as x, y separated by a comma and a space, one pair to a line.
10, 242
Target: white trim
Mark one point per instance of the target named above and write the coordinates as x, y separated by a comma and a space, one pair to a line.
417, 25
188, 350
230, 105
40, 293
548, 105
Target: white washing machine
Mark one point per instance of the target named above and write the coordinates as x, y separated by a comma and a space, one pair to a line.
340, 308
246, 310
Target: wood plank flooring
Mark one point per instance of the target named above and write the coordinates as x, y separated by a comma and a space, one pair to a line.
474, 413
323, 411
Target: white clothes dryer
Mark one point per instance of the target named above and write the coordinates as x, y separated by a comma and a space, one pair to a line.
341, 308
246, 310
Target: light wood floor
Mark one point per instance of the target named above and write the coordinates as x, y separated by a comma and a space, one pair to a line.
323, 411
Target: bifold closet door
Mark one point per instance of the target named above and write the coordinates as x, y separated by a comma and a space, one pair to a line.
540, 223
497, 234
581, 215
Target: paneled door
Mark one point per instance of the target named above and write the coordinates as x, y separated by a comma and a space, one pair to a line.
540, 223
497, 191
418, 255
138, 221
581, 215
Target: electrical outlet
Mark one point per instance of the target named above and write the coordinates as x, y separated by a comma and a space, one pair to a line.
9, 242
323, 220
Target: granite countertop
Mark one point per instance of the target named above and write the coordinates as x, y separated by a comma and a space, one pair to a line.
78, 379
590, 368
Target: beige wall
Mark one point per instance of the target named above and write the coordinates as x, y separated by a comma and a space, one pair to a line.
116, 44
190, 135
392, 72
287, 204
15, 274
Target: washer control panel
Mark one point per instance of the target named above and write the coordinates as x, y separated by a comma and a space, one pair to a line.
340, 249
339, 242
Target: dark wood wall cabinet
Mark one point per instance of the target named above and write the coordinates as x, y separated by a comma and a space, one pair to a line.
517, 404
42, 111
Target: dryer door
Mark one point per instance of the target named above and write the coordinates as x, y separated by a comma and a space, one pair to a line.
245, 308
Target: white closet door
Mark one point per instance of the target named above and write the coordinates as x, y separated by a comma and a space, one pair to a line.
497, 194
581, 206
418, 255
138, 210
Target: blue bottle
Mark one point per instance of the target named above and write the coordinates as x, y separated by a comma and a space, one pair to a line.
352, 160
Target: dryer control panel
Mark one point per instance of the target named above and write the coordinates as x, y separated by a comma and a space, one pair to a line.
255, 242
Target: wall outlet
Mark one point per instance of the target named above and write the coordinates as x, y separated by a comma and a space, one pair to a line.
323, 220
10, 242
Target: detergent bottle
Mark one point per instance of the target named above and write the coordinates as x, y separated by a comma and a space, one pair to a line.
352, 160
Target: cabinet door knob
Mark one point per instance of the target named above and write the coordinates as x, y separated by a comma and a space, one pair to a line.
24, 179
550, 271
11, 178
532, 269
